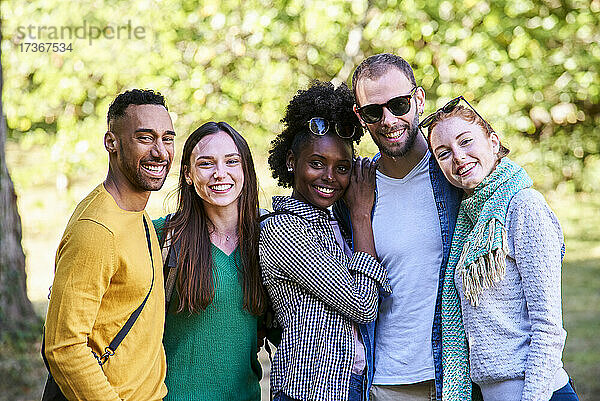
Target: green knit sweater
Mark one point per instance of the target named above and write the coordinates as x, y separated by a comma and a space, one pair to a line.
212, 355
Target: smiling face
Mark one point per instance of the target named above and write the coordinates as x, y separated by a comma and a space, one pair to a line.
394, 135
465, 153
144, 139
216, 171
321, 170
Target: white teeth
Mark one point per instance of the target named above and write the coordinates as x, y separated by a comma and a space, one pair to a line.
325, 190
394, 134
221, 187
154, 169
464, 169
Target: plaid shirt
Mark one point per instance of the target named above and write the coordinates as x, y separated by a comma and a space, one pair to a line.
317, 293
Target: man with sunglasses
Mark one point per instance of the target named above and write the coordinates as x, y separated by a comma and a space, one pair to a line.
413, 220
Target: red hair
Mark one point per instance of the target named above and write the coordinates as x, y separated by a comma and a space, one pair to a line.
469, 116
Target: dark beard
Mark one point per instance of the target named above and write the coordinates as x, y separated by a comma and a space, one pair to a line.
147, 184
132, 171
412, 132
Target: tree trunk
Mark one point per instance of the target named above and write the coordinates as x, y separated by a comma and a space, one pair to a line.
16, 311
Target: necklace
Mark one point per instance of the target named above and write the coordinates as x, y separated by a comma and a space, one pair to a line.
227, 236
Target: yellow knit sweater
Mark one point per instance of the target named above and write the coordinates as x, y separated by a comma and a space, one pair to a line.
103, 272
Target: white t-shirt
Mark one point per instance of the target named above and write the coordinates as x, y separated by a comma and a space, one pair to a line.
408, 241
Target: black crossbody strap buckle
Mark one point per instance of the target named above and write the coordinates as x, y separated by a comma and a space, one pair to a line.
102, 359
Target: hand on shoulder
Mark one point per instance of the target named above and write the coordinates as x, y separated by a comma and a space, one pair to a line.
360, 195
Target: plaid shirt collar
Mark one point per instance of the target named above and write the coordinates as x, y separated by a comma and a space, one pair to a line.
302, 209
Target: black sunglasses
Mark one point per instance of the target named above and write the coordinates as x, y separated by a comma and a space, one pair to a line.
398, 106
447, 108
320, 126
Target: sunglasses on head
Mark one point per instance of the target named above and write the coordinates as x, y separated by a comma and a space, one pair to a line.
447, 108
398, 106
320, 126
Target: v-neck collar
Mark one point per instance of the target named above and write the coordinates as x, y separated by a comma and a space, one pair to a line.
214, 247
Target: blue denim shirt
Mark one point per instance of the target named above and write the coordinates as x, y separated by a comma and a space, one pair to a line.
447, 200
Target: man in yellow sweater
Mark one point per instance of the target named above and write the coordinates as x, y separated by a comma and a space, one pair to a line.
104, 270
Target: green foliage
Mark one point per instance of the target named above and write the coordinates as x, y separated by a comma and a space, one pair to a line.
532, 68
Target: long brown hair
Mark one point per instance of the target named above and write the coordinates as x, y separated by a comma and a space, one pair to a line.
191, 228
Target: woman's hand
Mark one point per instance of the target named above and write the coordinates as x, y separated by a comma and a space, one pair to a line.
360, 195
359, 198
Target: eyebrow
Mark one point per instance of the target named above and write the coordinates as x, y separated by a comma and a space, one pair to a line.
438, 147
457, 137
212, 157
151, 131
323, 157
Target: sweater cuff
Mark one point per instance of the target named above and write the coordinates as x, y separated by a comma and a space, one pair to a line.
367, 265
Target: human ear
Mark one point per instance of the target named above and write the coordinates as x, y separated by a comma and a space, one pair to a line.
290, 161
110, 142
495, 140
355, 109
420, 100
186, 174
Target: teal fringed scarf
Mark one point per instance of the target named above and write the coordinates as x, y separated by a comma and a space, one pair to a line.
478, 255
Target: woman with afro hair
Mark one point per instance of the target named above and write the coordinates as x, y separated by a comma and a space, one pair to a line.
321, 290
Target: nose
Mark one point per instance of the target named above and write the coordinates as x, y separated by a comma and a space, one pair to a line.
458, 155
159, 150
220, 171
387, 118
328, 175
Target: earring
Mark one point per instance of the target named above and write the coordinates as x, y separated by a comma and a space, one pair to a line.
290, 169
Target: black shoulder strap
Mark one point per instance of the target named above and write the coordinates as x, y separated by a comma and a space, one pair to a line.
162, 238
165, 241
114, 344
169, 273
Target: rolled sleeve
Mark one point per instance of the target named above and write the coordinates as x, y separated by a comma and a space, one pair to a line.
366, 264
290, 245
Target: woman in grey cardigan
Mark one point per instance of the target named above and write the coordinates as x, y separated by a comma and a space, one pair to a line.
501, 303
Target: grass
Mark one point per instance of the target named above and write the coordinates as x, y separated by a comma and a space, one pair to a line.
581, 297
21, 367
581, 290
21, 372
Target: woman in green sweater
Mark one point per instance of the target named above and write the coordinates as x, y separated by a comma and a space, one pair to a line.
211, 325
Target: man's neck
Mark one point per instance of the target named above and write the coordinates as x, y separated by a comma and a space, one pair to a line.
400, 166
126, 197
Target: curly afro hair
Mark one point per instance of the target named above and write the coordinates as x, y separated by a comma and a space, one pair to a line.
323, 100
